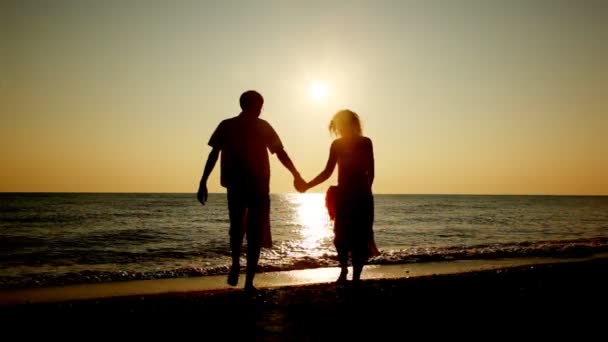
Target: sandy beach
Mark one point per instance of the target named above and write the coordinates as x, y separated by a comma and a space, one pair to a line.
537, 297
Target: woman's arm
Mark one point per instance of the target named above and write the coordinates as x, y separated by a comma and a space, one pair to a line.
329, 169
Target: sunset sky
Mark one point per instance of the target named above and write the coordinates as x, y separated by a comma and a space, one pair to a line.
459, 97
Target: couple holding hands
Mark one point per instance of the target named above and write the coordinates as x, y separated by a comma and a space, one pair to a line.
244, 142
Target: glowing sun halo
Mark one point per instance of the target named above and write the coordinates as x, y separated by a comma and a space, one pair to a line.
318, 91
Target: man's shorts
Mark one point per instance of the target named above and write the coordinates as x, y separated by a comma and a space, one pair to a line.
250, 214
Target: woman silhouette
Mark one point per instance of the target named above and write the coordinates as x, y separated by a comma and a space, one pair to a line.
354, 203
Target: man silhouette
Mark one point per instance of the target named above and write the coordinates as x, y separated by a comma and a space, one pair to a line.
244, 142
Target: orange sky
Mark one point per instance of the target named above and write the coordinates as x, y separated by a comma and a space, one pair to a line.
470, 97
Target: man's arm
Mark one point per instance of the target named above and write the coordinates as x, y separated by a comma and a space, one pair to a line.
286, 161
298, 181
202, 188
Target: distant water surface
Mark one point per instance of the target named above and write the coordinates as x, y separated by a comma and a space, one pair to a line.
57, 238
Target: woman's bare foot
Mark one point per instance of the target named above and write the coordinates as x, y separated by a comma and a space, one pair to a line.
251, 290
342, 277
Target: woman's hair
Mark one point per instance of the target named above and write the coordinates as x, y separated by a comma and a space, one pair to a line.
345, 121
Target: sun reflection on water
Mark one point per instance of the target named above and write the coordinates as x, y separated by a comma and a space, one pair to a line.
312, 219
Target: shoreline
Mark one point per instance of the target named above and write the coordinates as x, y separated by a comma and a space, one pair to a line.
45, 276
268, 280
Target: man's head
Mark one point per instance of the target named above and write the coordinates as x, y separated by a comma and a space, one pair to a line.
251, 102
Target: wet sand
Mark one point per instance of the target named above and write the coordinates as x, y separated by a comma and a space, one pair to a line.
545, 298
263, 280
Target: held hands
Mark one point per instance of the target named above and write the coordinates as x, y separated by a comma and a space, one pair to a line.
299, 183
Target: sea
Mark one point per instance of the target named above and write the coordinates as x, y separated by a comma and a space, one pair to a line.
50, 239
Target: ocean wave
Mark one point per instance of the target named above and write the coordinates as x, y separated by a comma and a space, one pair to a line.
116, 257
557, 249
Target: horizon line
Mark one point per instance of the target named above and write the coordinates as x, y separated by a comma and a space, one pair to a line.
321, 192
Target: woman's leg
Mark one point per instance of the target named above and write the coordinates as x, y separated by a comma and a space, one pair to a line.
343, 260
359, 258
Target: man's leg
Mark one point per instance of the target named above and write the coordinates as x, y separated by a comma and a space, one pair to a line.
253, 256
258, 220
237, 213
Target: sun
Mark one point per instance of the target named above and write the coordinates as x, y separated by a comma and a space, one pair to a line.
319, 91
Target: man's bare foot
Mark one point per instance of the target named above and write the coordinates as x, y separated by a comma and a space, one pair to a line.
233, 276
